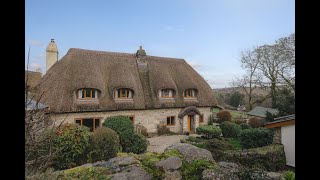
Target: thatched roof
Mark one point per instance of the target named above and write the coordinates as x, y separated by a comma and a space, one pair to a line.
107, 71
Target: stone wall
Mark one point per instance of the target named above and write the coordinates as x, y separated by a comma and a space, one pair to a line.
148, 118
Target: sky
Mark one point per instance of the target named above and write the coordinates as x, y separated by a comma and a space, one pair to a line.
208, 34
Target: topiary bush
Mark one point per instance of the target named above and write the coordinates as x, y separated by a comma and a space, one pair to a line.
208, 131
256, 122
104, 144
256, 137
245, 126
72, 140
119, 123
230, 130
223, 115
133, 142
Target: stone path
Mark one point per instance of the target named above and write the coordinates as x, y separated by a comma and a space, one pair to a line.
160, 143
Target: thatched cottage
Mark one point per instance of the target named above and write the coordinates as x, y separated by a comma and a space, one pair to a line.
86, 86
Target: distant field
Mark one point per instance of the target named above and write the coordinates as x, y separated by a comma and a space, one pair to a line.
234, 114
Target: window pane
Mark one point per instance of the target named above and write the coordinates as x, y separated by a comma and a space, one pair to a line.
78, 121
119, 93
93, 93
97, 123
88, 91
88, 123
165, 93
172, 120
189, 92
123, 92
82, 92
168, 120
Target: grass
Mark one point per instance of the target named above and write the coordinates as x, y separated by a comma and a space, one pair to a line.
235, 143
234, 114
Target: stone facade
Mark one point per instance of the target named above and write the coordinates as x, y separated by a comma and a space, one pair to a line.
148, 118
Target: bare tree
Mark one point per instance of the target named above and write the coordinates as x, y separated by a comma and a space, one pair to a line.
252, 79
39, 131
268, 67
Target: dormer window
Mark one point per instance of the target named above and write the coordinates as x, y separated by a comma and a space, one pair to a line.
189, 93
87, 93
123, 93
166, 93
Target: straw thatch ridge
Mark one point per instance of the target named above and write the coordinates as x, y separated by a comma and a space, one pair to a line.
108, 71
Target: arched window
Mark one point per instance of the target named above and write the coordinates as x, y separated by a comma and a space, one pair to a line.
123, 93
87, 93
189, 93
166, 93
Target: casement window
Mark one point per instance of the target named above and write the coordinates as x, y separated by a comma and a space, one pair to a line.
87, 93
201, 118
166, 93
123, 93
189, 93
171, 121
92, 123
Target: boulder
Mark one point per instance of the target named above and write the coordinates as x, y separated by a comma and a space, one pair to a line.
190, 152
117, 164
274, 175
171, 163
136, 173
226, 171
175, 175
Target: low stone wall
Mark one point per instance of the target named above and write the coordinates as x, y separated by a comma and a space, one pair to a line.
269, 158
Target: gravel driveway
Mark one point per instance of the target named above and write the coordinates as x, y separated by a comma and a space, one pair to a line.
160, 143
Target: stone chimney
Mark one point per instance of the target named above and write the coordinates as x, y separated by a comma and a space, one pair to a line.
141, 53
52, 54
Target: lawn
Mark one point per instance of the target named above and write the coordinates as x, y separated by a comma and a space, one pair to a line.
234, 114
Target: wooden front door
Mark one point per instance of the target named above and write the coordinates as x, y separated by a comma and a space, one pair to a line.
189, 123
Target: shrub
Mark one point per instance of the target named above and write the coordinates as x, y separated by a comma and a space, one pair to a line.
289, 175
209, 131
245, 126
230, 130
133, 142
193, 170
140, 129
162, 130
256, 122
104, 144
223, 116
72, 141
256, 137
211, 119
217, 147
119, 123
129, 140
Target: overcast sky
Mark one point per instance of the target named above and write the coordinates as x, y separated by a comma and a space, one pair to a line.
208, 34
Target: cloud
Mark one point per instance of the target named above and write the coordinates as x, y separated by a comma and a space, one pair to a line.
35, 42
